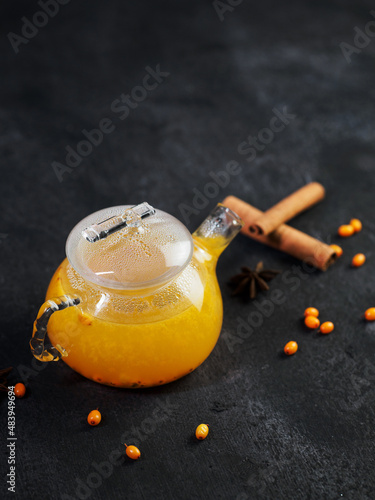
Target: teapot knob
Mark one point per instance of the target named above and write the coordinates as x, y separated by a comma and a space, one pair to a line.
132, 217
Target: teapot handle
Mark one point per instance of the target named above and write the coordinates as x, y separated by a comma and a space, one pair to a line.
49, 352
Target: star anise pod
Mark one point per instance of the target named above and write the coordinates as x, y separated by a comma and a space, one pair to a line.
248, 282
3, 379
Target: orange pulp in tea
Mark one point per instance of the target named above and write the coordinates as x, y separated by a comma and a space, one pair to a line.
136, 354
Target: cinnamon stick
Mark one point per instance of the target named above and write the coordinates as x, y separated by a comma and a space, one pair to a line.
289, 207
284, 238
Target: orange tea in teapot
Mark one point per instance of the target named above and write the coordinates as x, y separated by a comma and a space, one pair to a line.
139, 299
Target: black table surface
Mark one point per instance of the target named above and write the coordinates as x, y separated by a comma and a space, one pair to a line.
299, 427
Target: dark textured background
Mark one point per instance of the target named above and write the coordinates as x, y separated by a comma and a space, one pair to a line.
295, 428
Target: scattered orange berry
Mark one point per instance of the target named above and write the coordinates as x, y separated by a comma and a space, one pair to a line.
327, 327
311, 311
94, 417
356, 225
338, 250
201, 431
346, 230
291, 348
132, 452
358, 260
370, 314
19, 390
312, 322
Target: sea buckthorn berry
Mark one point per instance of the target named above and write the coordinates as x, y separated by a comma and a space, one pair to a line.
201, 431
358, 260
85, 319
311, 311
19, 390
370, 314
94, 417
312, 322
346, 230
132, 452
291, 348
327, 327
338, 250
356, 225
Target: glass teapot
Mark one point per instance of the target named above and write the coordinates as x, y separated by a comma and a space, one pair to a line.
139, 299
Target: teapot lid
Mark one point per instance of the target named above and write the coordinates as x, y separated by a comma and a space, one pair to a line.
129, 247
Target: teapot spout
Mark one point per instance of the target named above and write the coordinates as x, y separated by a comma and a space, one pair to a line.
218, 230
